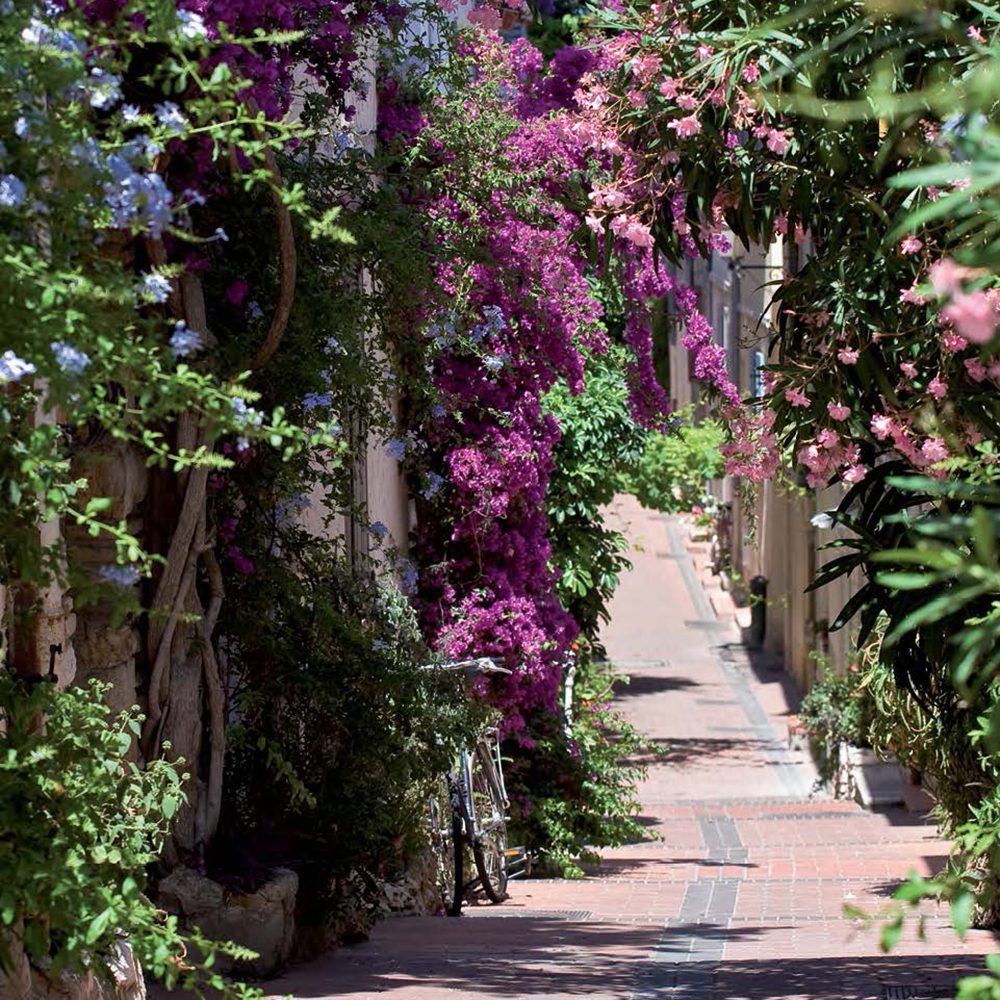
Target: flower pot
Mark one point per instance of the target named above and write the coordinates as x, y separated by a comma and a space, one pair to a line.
873, 782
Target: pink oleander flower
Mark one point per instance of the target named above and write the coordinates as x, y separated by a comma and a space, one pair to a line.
828, 438
777, 141
910, 245
847, 356
974, 316
855, 473
975, 369
751, 72
838, 411
796, 397
933, 193
685, 127
994, 371
975, 35
639, 234
668, 88
687, 102
934, 450
646, 67
882, 426
594, 224
486, 17
637, 98
973, 435
937, 388
912, 296
781, 224
951, 341
908, 368
946, 276
703, 51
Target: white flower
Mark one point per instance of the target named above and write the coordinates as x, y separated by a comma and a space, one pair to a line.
821, 520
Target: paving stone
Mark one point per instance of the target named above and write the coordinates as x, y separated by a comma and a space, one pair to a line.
741, 898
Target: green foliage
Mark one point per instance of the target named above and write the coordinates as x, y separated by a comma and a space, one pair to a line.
573, 797
80, 822
339, 733
674, 469
73, 280
600, 444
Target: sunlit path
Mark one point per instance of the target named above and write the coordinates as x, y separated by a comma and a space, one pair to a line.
741, 893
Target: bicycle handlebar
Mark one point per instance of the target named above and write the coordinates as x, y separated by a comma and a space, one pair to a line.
478, 665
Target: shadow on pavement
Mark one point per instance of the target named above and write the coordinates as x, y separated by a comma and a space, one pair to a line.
550, 957
532, 956
640, 685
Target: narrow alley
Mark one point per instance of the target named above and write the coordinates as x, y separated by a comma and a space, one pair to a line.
739, 892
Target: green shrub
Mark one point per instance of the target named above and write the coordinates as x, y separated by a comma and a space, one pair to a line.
672, 474
573, 795
79, 822
338, 734
600, 445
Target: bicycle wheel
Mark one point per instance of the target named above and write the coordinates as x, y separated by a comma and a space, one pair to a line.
488, 824
447, 844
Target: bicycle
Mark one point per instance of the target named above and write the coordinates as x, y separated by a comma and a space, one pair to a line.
468, 812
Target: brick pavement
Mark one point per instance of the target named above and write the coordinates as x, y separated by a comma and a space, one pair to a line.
739, 896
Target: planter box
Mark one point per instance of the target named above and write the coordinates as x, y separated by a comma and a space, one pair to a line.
263, 920
872, 782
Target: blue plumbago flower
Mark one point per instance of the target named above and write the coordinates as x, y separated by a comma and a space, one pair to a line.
220, 234
493, 363
170, 117
12, 191
130, 114
195, 197
137, 200
380, 645
313, 399
191, 25
185, 341
39, 33
13, 368
155, 287
379, 531
434, 484
246, 415
141, 150
103, 89
119, 576
332, 344
396, 449
438, 412
70, 359
408, 577
242, 443
254, 310
286, 508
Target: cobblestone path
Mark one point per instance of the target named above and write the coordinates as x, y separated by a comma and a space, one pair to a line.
740, 894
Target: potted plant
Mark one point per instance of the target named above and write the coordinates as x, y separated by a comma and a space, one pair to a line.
837, 714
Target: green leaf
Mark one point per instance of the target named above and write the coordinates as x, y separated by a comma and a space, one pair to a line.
99, 925
962, 907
